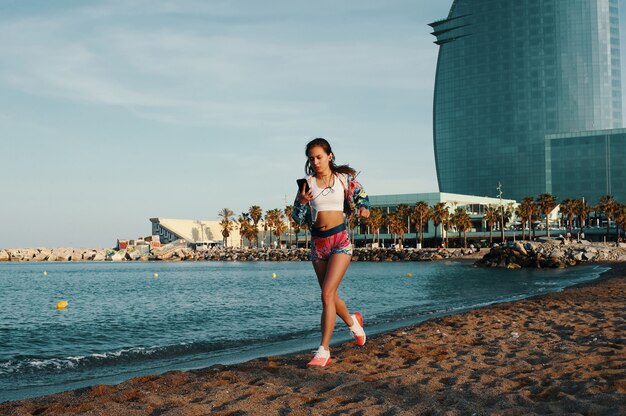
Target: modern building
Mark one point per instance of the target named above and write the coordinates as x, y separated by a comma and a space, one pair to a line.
592, 164
473, 205
192, 231
513, 80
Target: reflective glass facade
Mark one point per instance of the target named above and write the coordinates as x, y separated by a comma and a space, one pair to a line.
587, 164
510, 72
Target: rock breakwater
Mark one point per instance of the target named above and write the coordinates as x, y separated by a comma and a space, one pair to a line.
182, 253
551, 254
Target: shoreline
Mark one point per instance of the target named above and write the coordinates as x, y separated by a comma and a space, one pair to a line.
560, 352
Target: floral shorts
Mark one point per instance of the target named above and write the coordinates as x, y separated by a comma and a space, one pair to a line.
328, 242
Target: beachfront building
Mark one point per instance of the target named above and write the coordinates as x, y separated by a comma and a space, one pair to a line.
592, 164
192, 231
520, 87
473, 205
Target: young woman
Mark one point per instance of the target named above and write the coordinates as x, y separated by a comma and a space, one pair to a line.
328, 194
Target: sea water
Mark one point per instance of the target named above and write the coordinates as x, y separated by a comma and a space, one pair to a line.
129, 319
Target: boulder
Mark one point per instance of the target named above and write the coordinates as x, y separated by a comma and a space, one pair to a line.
30, 253
117, 255
133, 254
519, 247
44, 252
16, 254
99, 255
60, 254
4, 256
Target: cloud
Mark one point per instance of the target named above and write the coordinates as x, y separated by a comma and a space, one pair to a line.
181, 73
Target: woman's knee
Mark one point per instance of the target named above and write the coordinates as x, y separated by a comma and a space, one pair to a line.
329, 297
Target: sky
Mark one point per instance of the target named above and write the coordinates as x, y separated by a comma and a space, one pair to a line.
113, 112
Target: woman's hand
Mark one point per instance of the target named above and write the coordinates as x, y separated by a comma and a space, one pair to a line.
364, 212
306, 197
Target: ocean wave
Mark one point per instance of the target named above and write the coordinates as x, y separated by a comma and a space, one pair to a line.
55, 364
132, 355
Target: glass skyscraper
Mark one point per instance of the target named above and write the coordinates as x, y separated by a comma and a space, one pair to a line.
511, 72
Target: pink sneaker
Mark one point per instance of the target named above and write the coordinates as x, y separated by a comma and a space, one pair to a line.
321, 359
357, 329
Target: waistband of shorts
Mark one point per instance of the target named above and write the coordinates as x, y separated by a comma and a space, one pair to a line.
327, 233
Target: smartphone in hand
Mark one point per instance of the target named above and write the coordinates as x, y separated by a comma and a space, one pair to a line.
302, 183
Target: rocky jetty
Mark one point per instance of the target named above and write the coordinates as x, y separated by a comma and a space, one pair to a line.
551, 254
54, 254
183, 253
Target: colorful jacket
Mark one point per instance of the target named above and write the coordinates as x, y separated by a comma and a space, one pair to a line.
353, 193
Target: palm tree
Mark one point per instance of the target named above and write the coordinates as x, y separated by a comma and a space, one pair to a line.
526, 211
226, 223
256, 213
546, 203
403, 212
305, 227
490, 216
462, 222
288, 211
296, 230
582, 210
519, 213
375, 221
439, 215
421, 212
397, 222
244, 226
620, 218
268, 223
568, 210
272, 219
353, 222
507, 214
608, 205
279, 226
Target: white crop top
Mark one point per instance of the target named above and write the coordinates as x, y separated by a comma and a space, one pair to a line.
327, 199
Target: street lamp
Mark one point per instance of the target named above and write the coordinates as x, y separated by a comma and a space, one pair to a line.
499, 188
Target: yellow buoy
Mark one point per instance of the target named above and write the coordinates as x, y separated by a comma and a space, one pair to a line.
156, 275
273, 275
409, 275
45, 273
62, 304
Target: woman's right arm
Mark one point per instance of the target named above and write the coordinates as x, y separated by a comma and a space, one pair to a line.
301, 212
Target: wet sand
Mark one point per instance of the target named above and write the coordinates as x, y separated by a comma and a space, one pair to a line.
560, 353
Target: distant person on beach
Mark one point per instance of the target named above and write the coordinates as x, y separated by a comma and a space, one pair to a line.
321, 202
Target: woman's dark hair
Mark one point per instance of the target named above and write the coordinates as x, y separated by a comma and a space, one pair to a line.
323, 143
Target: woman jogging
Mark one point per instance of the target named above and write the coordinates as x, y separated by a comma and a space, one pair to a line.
321, 202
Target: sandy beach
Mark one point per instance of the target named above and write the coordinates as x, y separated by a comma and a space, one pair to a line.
560, 353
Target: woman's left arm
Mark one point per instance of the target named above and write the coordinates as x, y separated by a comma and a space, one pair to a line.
360, 198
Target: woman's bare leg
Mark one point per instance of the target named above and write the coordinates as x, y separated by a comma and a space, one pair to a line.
329, 276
